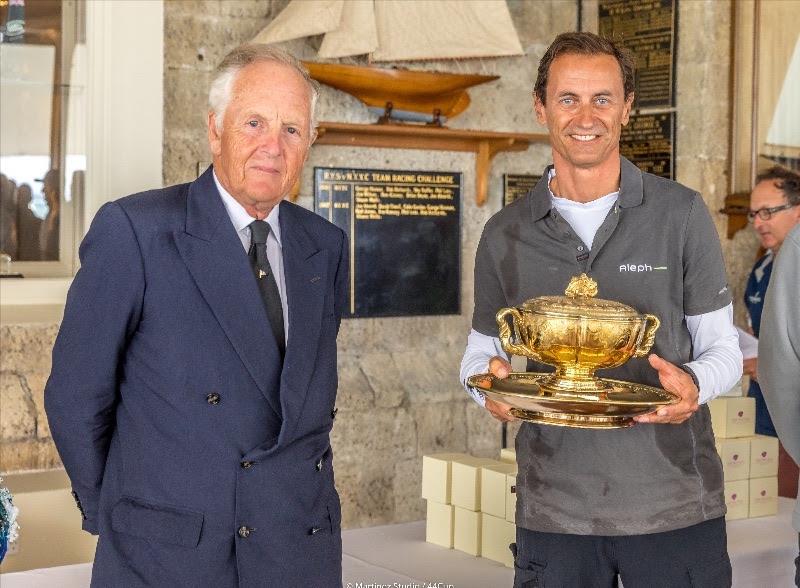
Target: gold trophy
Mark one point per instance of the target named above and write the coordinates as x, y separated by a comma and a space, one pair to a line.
577, 334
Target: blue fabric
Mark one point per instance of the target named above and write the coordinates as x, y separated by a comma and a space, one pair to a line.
754, 295
166, 380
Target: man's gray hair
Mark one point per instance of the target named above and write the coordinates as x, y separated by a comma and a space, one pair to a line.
219, 94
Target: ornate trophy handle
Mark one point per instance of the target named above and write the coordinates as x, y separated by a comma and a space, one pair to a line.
505, 332
649, 337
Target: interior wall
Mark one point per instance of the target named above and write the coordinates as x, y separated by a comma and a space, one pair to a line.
399, 395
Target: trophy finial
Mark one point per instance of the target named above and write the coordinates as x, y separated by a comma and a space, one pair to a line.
582, 286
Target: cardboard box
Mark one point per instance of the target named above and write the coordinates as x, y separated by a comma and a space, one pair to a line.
439, 524
763, 456
496, 535
737, 499
735, 456
763, 497
465, 488
511, 498
436, 476
467, 530
509, 455
733, 417
493, 488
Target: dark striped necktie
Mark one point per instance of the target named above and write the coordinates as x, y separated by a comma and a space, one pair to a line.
265, 277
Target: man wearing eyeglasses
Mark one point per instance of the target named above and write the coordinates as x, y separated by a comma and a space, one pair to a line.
774, 211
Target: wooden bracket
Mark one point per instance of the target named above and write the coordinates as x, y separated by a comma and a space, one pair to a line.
484, 144
736, 207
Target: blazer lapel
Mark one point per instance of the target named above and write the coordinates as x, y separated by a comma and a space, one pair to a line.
218, 263
305, 271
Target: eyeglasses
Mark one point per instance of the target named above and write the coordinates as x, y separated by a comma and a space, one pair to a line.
766, 213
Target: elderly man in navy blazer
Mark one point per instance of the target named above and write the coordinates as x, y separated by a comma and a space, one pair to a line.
194, 375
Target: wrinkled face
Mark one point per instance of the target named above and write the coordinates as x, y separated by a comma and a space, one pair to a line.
586, 109
772, 232
265, 137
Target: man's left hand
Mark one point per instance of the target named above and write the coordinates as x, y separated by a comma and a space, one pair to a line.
673, 379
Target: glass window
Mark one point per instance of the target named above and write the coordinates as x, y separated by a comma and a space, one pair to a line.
43, 139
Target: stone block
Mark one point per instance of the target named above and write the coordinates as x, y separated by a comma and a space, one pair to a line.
366, 491
354, 390
364, 436
431, 375
484, 432
27, 348
408, 506
17, 412
16, 456
182, 152
36, 384
440, 427
249, 9
186, 99
385, 379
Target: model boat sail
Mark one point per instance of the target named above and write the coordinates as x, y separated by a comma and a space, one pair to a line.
398, 30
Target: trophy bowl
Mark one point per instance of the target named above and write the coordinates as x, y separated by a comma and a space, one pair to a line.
577, 334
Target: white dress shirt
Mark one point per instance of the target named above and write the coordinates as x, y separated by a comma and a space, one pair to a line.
716, 357
241, 222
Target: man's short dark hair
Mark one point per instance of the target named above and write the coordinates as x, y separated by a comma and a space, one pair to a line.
785, 180
584, 44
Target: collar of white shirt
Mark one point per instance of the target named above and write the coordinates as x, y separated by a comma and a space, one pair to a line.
239, 217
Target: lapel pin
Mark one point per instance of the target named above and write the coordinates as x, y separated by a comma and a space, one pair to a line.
261, 274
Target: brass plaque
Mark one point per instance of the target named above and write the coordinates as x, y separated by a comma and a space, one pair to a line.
648, 140
515, 186
649, 29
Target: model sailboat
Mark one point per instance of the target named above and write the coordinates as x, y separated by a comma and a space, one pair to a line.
397, 30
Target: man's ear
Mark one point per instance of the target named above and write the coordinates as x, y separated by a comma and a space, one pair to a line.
538, 108
626, 112
214, 136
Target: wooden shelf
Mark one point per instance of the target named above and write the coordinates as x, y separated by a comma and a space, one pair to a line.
736, 207
484, 144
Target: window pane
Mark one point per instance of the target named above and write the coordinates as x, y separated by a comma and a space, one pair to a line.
43, 143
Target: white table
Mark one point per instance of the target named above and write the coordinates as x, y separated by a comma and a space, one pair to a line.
762, 554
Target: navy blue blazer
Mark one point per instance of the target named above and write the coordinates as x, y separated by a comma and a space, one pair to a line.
197, 459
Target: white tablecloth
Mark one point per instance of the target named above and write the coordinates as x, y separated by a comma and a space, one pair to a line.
762, 553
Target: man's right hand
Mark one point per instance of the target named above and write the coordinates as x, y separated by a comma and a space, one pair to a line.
500, 368
750, 368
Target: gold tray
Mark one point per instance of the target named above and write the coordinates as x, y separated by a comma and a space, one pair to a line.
613, 408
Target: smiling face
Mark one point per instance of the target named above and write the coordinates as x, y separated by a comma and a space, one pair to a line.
772, 232
265, 137
585, 110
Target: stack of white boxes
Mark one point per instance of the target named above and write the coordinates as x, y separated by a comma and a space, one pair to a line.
749, 461
471, 503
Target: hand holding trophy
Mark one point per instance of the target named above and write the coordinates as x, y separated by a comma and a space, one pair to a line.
577, 334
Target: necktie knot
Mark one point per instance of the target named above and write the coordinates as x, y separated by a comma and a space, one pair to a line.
259, 231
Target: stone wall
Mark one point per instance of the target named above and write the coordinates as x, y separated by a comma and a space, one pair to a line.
399, 395
25, 442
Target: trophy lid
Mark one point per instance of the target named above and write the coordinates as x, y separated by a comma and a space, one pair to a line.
579, 301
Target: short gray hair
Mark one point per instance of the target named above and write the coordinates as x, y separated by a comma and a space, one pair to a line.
219, 94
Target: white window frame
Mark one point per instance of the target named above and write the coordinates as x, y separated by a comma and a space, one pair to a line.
125, 101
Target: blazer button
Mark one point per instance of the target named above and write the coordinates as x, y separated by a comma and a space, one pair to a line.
246, 465
213, 398
244, 532
314, 530
319, 464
